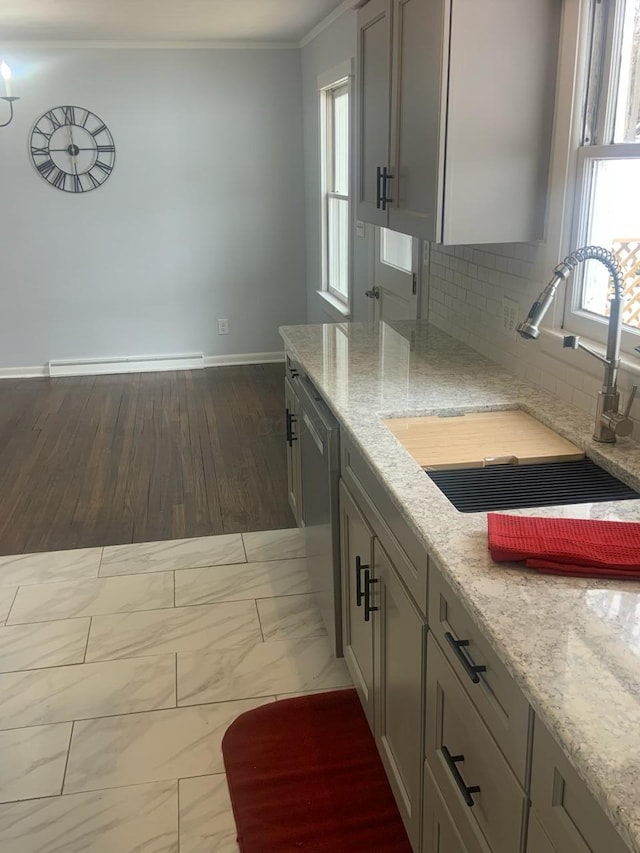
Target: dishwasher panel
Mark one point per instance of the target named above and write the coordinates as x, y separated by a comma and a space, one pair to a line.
320, 452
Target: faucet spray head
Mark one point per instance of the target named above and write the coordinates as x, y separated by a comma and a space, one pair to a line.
529, 328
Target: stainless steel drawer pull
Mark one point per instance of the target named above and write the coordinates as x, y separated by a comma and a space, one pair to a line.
359, 593
469, 666
368, 609
465, 790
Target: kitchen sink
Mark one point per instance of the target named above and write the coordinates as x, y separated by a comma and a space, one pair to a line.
499, 487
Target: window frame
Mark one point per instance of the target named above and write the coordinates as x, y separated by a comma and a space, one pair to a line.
595, 99
337, 78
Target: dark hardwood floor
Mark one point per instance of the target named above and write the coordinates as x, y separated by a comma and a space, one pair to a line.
141, 457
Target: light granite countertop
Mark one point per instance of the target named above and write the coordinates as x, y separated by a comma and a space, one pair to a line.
572, 645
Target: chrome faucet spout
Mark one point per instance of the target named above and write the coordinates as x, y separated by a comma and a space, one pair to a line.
609, 420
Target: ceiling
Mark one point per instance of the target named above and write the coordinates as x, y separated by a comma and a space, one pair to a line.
162, 20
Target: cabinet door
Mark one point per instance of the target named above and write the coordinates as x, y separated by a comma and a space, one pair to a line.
440, 833
294, 466
399, 657
571, 817
373, 90
502, 65
420, 33
537, 838
356, 558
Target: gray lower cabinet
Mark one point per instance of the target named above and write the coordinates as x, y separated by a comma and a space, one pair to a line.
568, 817
483, 795
294, 464
384, 644
399, 667
471, 769
440, 834
356, 558
537, 840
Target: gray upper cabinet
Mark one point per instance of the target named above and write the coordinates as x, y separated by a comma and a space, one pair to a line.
461, 154
373, 75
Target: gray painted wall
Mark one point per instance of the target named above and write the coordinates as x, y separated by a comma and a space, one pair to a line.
332, 46
202, 218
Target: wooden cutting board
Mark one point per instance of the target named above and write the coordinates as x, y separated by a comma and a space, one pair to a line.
481, 438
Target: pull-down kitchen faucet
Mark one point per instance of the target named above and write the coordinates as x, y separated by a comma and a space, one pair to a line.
610, 422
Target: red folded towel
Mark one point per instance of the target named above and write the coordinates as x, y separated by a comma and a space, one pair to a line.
573, 546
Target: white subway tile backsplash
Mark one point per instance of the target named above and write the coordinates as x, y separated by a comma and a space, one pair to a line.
466, 286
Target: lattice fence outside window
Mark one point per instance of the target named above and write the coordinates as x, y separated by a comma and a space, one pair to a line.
627, 253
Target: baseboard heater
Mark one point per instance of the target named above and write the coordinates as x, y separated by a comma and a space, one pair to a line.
126, 364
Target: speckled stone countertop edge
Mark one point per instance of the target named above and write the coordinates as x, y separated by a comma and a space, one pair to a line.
571, 423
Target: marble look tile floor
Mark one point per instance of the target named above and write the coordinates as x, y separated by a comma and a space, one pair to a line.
120, 670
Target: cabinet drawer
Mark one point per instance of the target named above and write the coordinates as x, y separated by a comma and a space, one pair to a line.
572, 819
493, 691
408, 555
440, 834
477, 784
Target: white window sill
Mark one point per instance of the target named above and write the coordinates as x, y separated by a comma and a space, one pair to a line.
336, 309
551, 341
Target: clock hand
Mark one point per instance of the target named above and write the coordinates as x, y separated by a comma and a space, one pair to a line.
74, 162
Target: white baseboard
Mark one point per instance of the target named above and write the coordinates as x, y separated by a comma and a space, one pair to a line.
23, 372
137, 364
126, 364
243, 358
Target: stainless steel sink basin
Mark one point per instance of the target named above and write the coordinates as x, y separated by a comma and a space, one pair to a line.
516, 486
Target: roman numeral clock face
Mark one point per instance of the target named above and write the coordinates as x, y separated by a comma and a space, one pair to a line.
72, 149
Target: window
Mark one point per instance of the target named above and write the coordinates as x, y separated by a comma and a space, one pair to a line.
335, 151
608, 211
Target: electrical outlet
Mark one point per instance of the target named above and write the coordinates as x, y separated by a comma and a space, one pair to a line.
360, 228
426, 246
510, 312
223, 327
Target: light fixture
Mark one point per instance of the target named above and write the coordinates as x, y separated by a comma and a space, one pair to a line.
5, 73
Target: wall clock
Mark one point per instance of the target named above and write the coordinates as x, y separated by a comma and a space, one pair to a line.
72, 149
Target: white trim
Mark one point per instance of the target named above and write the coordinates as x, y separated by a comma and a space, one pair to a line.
337, 309
243, 358
345, 6
97, 367
97, 44
125, 364
332, 78
23, 372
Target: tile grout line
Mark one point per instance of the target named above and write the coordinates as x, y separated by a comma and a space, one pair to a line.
136, 713
86, 645
244, 548
66, 763
13, 601
100, 561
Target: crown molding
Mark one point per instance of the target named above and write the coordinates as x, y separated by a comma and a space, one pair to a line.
147, 45
345, 6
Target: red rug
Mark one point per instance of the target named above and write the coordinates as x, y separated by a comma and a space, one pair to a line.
305, 775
